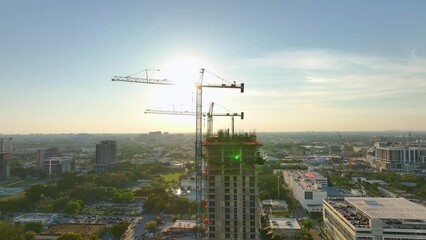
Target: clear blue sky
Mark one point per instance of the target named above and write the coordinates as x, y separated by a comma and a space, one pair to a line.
307, 65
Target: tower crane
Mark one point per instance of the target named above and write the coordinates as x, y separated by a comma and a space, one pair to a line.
349, 150
198, 125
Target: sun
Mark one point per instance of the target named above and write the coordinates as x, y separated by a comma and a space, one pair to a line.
184, 70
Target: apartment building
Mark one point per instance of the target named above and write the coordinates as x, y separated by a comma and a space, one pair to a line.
106, 154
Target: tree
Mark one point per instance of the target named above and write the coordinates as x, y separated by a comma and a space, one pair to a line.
306, 225
118, 229
9, 231
73, 207
76, 236
35, 192
60, 204
124, 196
36, 227
151, 225
29, 235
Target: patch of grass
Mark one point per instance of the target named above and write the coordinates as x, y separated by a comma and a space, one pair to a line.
13, 183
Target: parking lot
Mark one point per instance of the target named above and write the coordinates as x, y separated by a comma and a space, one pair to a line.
109, 208
92, 219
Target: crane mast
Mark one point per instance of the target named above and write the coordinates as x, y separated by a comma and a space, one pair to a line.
210, 120
199, 138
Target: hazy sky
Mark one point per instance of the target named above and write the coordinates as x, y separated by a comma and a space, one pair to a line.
307, 65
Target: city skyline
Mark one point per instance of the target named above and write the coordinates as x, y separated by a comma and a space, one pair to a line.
307, 66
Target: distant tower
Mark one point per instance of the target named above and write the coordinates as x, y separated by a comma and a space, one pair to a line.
5, 158
6, 145
106, 154
4, 165
231, 187
43, 154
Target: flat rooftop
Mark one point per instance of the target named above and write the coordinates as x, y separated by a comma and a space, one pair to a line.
274, 203
284, 223
189, 224
388, 208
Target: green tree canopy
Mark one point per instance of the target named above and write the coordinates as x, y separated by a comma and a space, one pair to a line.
118, 229
151, 225
73, 207
34, 226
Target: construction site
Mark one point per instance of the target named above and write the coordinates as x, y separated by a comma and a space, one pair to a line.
225, 167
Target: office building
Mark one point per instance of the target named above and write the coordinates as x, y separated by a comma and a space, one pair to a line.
399, 159
43, 154
307, 188
367, 218
4, 165
106, 154
231, 187
57, 165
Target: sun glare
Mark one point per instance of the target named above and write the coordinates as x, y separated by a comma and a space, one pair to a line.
184, 70
185, 73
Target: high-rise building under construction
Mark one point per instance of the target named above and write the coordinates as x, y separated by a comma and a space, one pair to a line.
231, 187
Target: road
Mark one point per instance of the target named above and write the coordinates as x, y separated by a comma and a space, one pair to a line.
136, 227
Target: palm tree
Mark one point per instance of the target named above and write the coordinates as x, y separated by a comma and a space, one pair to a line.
306, 225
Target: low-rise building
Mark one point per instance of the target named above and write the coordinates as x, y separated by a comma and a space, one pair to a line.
183, 226
286, 228
307, 188
374, 218
274, 206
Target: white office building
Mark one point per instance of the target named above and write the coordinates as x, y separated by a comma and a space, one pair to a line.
363, 218
307, 188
